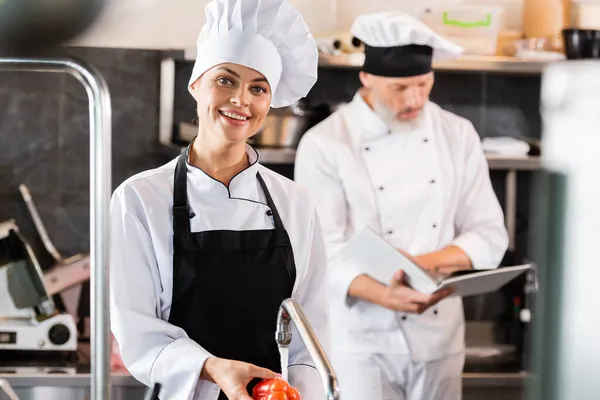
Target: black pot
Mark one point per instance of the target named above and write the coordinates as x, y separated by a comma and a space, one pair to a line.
581, 43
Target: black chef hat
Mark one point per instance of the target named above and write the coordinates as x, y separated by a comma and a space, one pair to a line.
398, 45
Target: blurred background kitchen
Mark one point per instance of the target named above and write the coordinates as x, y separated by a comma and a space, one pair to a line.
145, 51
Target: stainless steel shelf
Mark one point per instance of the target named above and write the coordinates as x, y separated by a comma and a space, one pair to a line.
530, 163
276, 156
465, 63
287, 156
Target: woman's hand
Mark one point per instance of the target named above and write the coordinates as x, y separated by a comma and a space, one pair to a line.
233, 376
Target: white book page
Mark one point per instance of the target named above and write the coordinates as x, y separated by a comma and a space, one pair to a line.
378, 259
484, 281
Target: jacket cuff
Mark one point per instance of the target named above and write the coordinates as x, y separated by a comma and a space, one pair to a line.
177, 368
476, 248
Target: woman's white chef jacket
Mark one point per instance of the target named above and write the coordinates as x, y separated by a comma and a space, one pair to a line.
421, 190
141, 262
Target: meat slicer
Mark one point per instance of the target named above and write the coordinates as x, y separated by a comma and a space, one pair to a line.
29, 319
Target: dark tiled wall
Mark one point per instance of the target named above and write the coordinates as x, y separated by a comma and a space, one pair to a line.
497, 104
44, 137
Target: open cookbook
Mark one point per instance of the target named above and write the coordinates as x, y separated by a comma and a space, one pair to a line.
377, 258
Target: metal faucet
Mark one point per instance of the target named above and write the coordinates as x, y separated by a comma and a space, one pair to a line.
290, 311
100, 190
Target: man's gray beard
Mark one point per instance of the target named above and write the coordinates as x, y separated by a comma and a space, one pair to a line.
392, 123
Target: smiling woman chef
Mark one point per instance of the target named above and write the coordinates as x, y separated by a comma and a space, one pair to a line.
205, 248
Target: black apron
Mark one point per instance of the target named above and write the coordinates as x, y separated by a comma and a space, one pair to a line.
228, 285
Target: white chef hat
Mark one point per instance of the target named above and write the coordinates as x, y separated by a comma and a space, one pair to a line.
399, 45
269, 36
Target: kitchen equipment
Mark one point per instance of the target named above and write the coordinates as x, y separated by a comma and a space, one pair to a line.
29, 319
66, 272
290, 311
100, 189
49, 392
38, 23
581, 43
283, 128
475, 28
483, 352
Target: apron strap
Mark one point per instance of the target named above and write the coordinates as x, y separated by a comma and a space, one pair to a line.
181, 211
276, 217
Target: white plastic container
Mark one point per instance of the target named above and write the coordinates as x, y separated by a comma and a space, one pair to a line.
585, 14
475, 28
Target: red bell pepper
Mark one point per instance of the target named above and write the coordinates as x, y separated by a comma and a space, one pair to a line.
275, 389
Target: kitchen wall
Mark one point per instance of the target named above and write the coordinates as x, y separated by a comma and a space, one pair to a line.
161, 24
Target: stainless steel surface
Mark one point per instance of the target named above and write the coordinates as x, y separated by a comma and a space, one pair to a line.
530, 163
291, 310
125, 387
8, 390
283, 128
465, 63
276, 156
567, 333
283, 334
167, 101
495, 379
100, 187
67, 272
511, 207
25, 280
71, 387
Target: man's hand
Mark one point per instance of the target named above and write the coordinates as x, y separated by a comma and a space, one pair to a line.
400, 297
443, 262
233, 376
397, 296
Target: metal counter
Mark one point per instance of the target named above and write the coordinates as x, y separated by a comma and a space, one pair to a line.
70, 387
492, 386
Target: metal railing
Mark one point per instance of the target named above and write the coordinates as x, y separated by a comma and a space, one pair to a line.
100, 189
